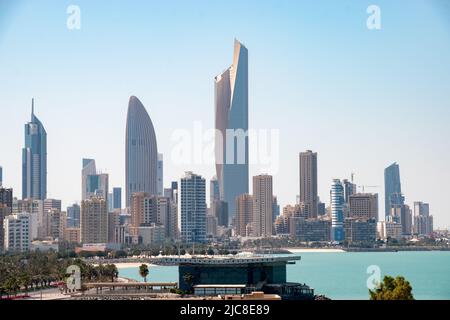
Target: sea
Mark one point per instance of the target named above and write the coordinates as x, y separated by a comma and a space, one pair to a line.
349, 275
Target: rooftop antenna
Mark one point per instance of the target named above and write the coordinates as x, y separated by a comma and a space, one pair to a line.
352, 175
32, 107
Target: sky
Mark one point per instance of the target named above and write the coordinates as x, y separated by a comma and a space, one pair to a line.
362, 99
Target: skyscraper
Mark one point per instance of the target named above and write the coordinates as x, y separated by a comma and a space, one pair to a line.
262, 205
117, 198
392, 187
308, 181
94, 221
160, 174
6, 197
34, 159
231, 123
244, 215
89, 168
214, 193
17, 232
363, 206
193, 208
73, 216
141, 153
1, 176
337, 211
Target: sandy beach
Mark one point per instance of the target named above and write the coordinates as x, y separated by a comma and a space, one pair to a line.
303, 250
121, 265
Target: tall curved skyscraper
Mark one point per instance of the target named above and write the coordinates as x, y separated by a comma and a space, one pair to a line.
34, 159
141, 152
231, 122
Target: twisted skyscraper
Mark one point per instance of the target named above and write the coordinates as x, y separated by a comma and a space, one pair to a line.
34, 159
141, 153
231, 123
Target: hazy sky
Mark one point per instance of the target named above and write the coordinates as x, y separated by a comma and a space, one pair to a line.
360, 98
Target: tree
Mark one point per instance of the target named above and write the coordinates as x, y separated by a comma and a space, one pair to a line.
392, 289
143, 271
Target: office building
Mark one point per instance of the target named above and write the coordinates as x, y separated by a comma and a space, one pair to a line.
363, 206
262, 205
193, 208
423, 221
151, 235
220, 211
276, 208
94, 221
337, 211
360, 231
389, 230
17, 237
349, 189
244, 214
308, 181
36, 210
160, 175
392, 187
73, 216
34, 159
4, 212
141, 156
310, 230
231, 123
211, 225
88, 168
214, 193
117, 198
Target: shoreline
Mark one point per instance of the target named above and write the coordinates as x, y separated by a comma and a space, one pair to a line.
122, 265
318, 250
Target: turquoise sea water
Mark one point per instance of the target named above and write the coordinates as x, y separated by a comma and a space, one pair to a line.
344, 275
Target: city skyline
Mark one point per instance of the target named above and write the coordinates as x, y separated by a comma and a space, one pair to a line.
368, 171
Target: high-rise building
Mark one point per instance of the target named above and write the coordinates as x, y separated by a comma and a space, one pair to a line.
211, 225
113, 223
49, 225
117, 198
160, 174
6, 197
34, 159
17, 236
262, 206
141, 153
1, 176
337, 211
220, 211
94, 221
392, 187
363, 206
244, 214
308, 181
360, 230
73, 216
231, 123
97, 185
88, 169
311, 229
36, 210
349, 189
423, 221
193, 208
276, 208
214, 193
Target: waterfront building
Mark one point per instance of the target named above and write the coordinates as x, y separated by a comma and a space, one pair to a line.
262, 205
244, 214
151, 234
363, 206
193, 208
337, 211
117, 198
392, 187
220, 211
231, 124
34, 159
362, 231
6, 197
308, 181
281, 225
17, 237
141, 153
389, 230
423, 221
160, 175
310, 229
94, 221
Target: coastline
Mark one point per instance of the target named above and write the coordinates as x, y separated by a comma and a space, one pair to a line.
122, 265
305, 250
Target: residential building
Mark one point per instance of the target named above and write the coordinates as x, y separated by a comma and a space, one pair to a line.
262, 205
308, 181
94, 221
244, 214
193, 208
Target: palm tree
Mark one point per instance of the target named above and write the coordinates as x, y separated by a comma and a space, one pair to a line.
188, 279
143, 271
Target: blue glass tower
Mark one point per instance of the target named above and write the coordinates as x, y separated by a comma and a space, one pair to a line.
337, 211
34, 159
392, 188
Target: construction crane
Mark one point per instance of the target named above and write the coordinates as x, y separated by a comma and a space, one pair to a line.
363, 187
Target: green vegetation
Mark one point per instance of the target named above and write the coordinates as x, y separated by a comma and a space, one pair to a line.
392, 289
143, 271
188, 279
33, 271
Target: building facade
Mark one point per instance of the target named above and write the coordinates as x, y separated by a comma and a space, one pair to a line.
244, 214
337, 211
392, 187
94, 221
17, 237
193, 208
262, 206
308, 181
363, 206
